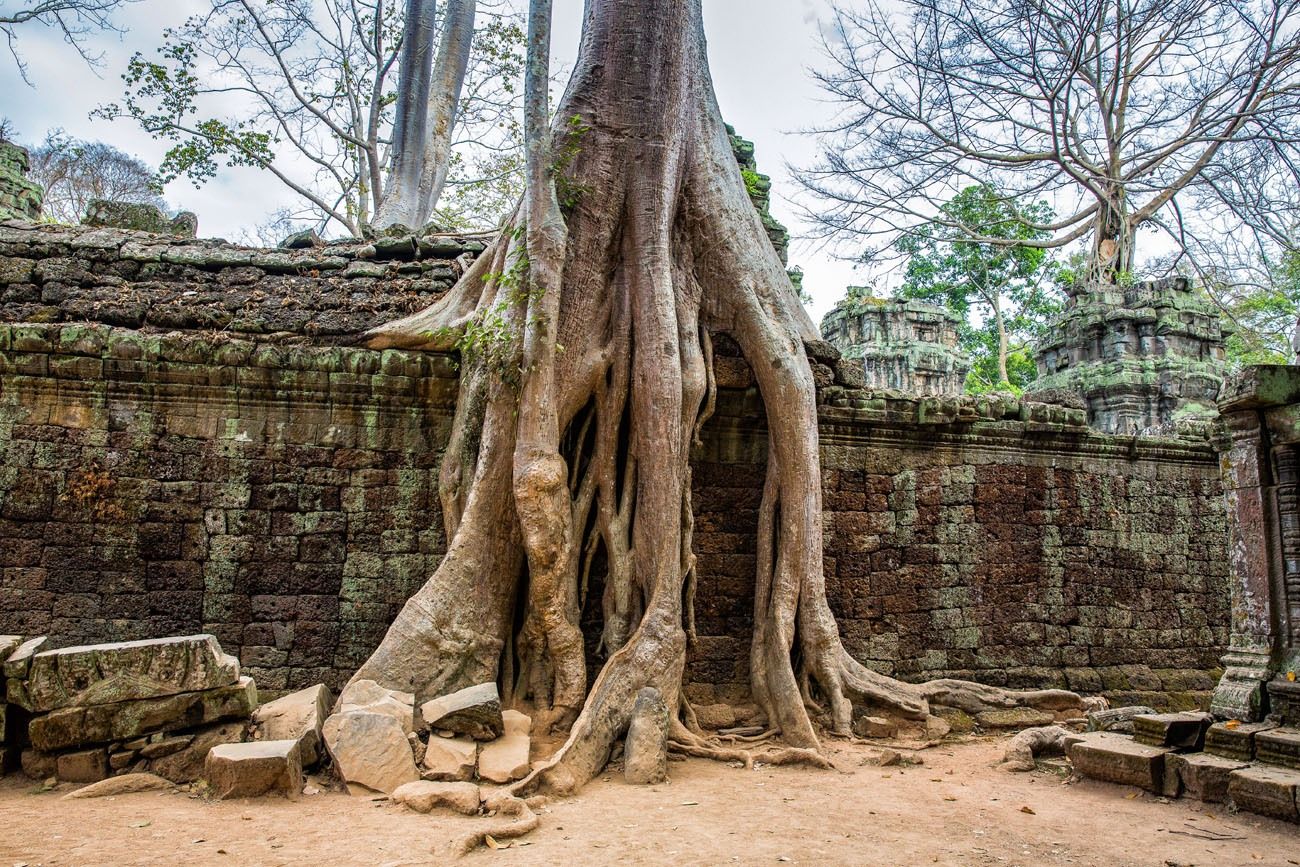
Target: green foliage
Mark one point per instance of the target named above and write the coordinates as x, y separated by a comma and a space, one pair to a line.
755, 184
985, 278
568, 190
1265, 315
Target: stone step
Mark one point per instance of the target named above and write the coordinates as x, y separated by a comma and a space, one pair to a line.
1200, 775
1266, 791
1183, 731
254, 769
1117, 758
1279, 746
1233, 740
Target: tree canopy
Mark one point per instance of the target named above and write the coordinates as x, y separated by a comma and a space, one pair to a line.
73, 172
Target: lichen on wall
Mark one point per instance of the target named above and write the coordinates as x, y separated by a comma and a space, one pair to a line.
20, 198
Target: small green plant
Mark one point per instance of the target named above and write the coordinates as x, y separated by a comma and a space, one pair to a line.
568, 190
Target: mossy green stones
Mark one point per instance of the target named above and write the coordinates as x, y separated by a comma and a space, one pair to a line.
20, 198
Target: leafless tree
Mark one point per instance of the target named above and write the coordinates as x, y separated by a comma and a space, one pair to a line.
308, 90
73, 19
586, 340
75, 172
1111, 108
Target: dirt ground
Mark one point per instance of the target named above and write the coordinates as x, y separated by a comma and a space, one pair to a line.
956, 809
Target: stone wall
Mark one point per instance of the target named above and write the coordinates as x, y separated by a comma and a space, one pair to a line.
20, 198
283, 495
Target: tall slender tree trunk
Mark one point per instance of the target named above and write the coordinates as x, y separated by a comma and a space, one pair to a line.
401, 198
1000, 322
574, 426
444, 102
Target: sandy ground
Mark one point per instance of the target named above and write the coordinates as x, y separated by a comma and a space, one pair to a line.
957, 809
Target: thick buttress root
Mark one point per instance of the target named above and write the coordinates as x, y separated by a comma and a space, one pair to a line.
587, 375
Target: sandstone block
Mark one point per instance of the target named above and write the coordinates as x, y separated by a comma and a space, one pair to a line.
298, 717
715, 716
450, 759
645, 751
516, 723
474, 712
1266, 791
254, 769
187, 765
370, 750
8, 644
1119, 719
874, 727
1014, 718
126, 671
1235, 741
1116, 758
38, 765
369, 697
1184, 731
958, 720
505, 759
79, 726
1201, 775
20, 659
86, 766
1279, 747
127, 784
424, 797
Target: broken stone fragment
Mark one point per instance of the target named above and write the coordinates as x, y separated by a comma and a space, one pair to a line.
424, 797
715, 716
369, 697
506, 758
1116, 758
8, 644
1200, 775
166, 747
474, 712
186, 765
86, 766
1118, 719
20, 659
874, 727
645, 751
254, 769
298, 716
450, 759
127, 784
1180, 730
79, 726
126, 671
515, 723
1266, 791
370, 750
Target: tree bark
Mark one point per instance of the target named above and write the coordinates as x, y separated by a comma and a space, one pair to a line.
401, 199
585, 385
444, 101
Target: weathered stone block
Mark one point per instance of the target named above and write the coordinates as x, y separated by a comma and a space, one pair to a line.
1201, 775
298, 717
450, 759
369, 697
1279, 747
1184, 731
876, 727
506, 758
474, 712
1119, 719
1116, 758
1265, 790
1014, 718
20, 660
110, 673
1234, 740
186, 766
370, 751
254, 769
86, 766
424, 797
8, 644
39, 766
77, 726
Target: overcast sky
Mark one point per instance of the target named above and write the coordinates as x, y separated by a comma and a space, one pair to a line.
759, 51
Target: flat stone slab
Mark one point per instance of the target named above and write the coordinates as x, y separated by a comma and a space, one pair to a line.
505, 759
186, 765
298, 716
1266, 791
1201, 776
1184, 731
1233, 740
72, 727
128, 784
1014, 718
255, 769
1116, 758
126, 671
1119, 719
425, 797
473, 712
370, 750
450, 759
8, 644
370, 697
20, 658
86, 766
1279, 746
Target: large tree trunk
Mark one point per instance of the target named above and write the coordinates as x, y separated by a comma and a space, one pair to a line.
444, 102
401, 197
585, 334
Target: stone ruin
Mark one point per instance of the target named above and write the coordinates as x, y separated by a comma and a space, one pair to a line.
1146, 357
20, 199
904, 346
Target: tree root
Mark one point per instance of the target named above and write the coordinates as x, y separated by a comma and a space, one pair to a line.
522, 820
1031, 743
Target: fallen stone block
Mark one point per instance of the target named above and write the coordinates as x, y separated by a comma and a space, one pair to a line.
298, 716
121, 760
1279, 746
1119, 719
37, 765
957, 719
1201, 775
877, 727
126, 671
715, 716
1265, 791
86, 766
473, 712
516, 723
1116, 758
127, 784
450, 759
645, 750
424, 797
1014, 718
71, 727
505, 759
253, 769
1233, 740
8, 644
1184, 731
186, 765
20, 660
369, 697
370, 750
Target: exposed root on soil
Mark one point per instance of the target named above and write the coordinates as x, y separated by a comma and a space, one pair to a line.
514, 818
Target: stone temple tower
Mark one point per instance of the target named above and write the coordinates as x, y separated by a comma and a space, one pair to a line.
1143, 357
20, 199
907, 346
